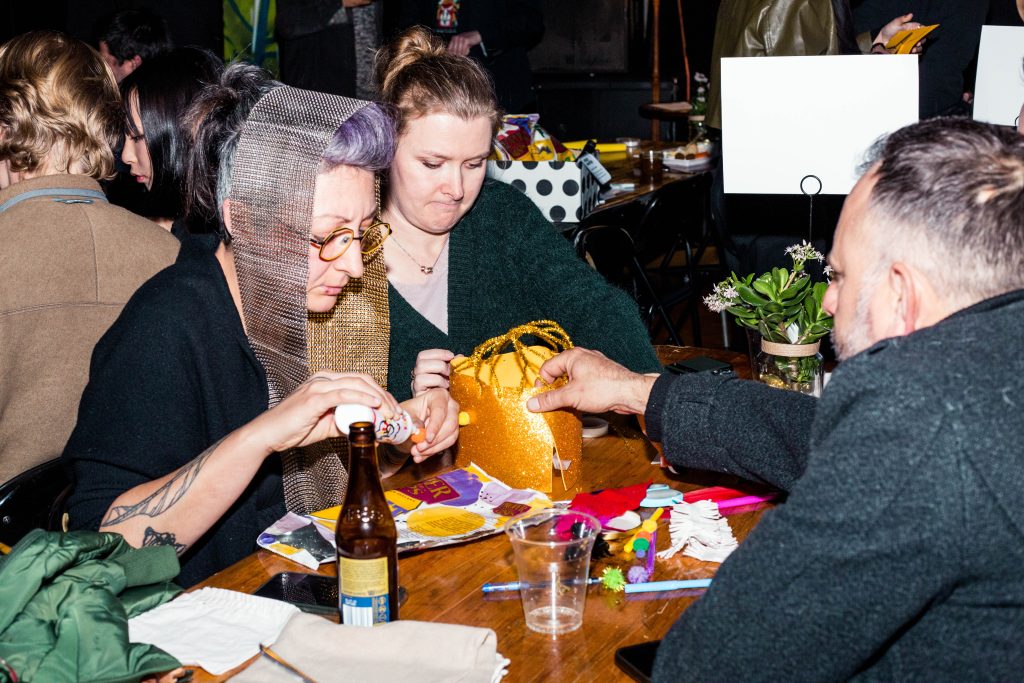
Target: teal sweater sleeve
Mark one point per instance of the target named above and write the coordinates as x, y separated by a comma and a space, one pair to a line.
508, 266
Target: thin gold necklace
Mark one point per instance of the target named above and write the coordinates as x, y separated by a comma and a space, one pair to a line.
426, 270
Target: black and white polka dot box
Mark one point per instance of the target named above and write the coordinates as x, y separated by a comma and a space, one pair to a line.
564, 192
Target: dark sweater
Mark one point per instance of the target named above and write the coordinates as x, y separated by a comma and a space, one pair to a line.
899, 553
507, 266
947, 52
174, 374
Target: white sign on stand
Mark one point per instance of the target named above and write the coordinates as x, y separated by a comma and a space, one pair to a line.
999, 89
786, 118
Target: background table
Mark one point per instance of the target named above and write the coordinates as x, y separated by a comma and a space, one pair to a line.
444, 583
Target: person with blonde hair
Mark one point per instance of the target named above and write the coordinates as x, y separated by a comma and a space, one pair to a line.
470, 258
70, 260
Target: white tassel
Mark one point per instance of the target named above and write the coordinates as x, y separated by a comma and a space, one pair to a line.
699, 530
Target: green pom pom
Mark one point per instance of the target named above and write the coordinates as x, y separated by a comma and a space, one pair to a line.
613, 579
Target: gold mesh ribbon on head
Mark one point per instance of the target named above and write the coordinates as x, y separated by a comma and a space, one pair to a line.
503, 437
271, 203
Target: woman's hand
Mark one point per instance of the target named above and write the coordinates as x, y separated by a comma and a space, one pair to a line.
439, 414
898, 24
432, 370
307, 415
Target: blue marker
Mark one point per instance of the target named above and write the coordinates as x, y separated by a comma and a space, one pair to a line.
652, 586
515, 585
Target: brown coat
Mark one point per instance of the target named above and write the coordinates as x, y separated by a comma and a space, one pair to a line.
66, 270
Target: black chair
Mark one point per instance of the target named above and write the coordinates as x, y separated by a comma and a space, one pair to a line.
654, 249
33, 499
611, 251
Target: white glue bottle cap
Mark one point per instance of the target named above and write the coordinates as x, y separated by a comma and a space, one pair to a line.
347, 413
403, 427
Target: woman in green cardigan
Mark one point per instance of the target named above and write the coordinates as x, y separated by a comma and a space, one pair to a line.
470, 258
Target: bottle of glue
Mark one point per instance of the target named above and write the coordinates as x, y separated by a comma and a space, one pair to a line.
399, 429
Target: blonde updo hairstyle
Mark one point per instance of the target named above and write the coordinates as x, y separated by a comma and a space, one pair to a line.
59, 106
417, 76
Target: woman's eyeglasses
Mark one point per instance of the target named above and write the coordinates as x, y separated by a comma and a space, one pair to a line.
337, 243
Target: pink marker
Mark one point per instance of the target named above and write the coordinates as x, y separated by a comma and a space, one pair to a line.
744, 500
396, 430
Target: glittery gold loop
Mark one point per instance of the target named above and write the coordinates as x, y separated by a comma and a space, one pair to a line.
489, 352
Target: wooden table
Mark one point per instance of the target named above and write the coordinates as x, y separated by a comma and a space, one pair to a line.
444, 583
623, 168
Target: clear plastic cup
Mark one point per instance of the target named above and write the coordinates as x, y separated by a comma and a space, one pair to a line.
552, 552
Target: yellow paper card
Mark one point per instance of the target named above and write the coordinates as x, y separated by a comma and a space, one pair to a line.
904, 41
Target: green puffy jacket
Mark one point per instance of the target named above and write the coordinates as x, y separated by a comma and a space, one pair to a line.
65, 600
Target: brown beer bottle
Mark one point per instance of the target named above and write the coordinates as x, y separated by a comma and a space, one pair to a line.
367, 539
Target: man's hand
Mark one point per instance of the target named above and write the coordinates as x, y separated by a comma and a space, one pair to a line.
596, 385
462, 43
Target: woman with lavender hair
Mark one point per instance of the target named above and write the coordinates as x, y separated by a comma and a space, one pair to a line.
175, 444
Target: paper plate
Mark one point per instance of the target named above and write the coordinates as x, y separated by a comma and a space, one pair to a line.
687, 165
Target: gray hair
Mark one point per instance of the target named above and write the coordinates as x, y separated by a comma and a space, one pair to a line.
950, 193
216, 119
217, 116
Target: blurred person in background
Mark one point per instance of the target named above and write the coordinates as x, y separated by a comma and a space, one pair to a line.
951, 47
70, 260
327, 45
128, 38
496, 33
156, 143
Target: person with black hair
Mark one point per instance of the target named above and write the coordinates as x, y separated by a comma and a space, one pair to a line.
156, 144
128, 38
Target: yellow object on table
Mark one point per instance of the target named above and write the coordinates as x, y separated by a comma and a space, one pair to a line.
503, 437
602, 147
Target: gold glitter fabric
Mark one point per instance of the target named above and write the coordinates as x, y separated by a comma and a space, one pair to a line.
503, 437
271, 207
352, 337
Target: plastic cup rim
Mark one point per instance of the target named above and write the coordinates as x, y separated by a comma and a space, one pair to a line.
557, 512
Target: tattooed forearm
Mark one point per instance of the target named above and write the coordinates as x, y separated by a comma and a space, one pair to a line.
154, 537
164, 497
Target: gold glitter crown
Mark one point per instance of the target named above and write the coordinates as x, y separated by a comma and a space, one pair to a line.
503, 437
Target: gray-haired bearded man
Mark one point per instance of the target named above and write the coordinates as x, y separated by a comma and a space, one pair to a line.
899, 552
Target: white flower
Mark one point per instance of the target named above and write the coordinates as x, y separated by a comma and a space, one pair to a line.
802, 253
793, 333
827, 271
716, 303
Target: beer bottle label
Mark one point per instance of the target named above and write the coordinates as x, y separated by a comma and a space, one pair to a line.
363, 591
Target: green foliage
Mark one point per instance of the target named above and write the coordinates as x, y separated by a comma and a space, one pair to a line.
783, 305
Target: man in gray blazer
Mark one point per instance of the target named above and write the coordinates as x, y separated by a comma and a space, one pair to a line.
899, 551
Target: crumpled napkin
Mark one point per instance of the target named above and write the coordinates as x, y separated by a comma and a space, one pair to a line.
214, 628
398, 652
700, 531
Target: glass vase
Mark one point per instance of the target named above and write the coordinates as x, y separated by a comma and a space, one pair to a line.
797, 367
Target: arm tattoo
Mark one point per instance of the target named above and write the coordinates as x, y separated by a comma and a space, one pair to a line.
163, 498
153, 537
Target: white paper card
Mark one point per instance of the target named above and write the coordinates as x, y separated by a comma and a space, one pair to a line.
784, 118
999, 89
